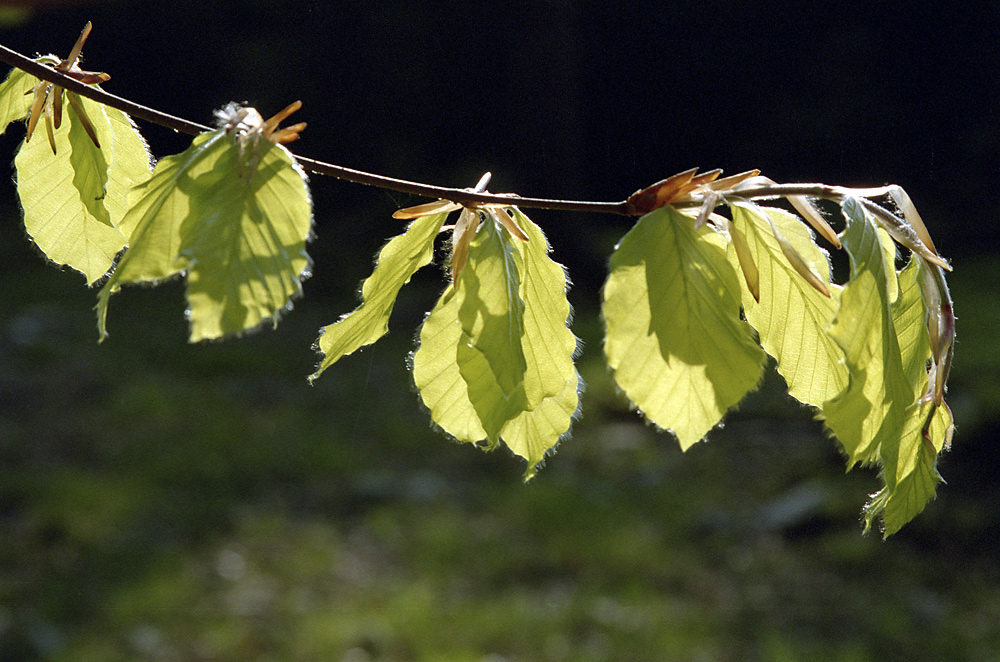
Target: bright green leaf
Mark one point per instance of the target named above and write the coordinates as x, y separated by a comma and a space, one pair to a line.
872, 410
792, 317
130, 165
436, 372
74, 200
551, 383
675, 338
491, 356
496, 359
15, 100
397, 262
908, 457
238, 233
917, 475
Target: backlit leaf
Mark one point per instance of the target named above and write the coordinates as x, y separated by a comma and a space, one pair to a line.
551, 383
792, 317
75, 199
436, 373
238, 233
495, 357
397, 262
674, 336
15, 102
917, 475
491, 358
873, 408
909, 457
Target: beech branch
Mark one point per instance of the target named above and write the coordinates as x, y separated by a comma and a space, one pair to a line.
464, 196
459, 195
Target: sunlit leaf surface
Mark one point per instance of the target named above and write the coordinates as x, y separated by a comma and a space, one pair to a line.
397, 262
15, 102
792, 317
75, 199
551, 383
916, 469
908, 457
873, 408
880, 417
495, 356
238, 233
674, 337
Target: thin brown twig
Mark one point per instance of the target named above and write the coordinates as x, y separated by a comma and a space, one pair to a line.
459, 195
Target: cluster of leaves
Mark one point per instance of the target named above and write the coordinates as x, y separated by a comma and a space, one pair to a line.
687, 336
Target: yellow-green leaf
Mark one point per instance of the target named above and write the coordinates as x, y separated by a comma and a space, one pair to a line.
74, 200
238, 232
436, 373
928, 427
551, 383
674, 336
397, 262
491, 356
909, 457
792, 317
495, 360
873, 408
15, 102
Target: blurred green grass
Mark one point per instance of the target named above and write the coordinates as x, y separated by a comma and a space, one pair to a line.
167, 501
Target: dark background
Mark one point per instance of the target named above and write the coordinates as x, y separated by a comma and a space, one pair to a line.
582, 100
166, 501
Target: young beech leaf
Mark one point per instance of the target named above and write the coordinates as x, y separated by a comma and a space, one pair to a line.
15, 100
491, 361
551, 383
495, 360
397, 262
238, 232
917, 475
791, 315
674, 336
75, 199
909, 457
872, 410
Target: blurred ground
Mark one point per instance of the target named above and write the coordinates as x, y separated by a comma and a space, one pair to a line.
162, 501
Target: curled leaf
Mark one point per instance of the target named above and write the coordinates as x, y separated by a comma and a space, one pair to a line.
940, 326
904, 233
